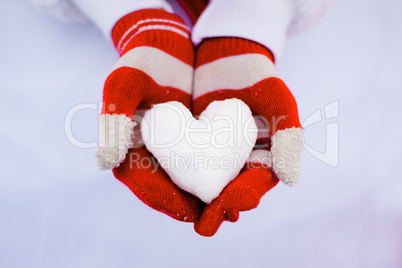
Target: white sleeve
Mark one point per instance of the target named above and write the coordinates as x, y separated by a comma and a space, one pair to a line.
267, 22
263, 21
106, 13
103, 13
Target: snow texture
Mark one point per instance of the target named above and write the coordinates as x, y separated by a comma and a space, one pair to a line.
58, 210
201, 156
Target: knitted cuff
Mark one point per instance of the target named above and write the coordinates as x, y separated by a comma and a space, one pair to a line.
212, 49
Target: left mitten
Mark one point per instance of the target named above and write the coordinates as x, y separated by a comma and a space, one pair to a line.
155, 66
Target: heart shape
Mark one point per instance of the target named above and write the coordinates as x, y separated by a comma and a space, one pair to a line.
200, 156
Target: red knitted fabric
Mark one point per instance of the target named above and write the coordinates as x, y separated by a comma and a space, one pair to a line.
231, 67
194, 8
149, 41
243, 193
150, 183
269, 98
128, 87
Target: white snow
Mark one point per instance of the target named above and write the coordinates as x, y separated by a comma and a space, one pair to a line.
201, 156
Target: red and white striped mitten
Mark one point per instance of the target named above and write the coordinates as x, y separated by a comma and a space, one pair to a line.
231, 67
155, 66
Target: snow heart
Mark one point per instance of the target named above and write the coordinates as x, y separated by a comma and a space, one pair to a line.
200, 156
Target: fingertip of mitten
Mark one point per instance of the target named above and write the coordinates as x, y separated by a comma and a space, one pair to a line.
116, 133
287, 147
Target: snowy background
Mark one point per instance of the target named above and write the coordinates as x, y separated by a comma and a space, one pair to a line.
58, 210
